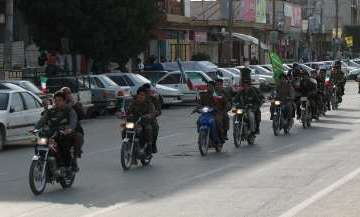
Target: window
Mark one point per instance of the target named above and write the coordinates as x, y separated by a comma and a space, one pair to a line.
17, 103
106, 81
196, 78
31, 87
171, 79
119, 80
95, 82
4, 100
154, 76
128, 81
30, 101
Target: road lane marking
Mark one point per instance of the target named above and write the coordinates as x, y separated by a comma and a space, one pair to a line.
118, 147
319, 195
109, 209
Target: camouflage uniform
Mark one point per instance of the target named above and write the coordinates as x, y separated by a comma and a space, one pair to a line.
285, 92
209, 100
55, 119
252, 96
224, 106
137, 110
338, 79
157, 105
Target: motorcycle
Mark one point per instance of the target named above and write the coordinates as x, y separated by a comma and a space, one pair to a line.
131, 146
242, 128
280, 121
46, 166
306, 115
208, 133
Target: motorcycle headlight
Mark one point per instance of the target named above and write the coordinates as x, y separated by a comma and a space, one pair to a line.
239, 111
42, 141
277, 103
130, 125
205, 110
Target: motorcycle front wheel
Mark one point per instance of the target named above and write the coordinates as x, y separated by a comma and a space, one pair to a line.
203, 142
237, 135
126, 156
37, 180
276, 126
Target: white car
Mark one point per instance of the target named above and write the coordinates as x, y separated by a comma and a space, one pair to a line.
168, 95
234, 77
20, 110
196, 81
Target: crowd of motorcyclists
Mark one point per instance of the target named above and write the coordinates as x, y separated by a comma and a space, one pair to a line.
320, 90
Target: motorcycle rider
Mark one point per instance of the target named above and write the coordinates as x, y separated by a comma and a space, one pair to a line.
79, 138
249, 95
321, 88
209, 98
61, 117
223, 104
143, 108
284, 92
338, 79
157, 104
305, 86
314, 96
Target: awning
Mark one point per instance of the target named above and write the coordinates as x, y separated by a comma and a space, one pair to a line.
248, 38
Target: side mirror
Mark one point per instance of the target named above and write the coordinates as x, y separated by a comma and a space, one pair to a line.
12, 110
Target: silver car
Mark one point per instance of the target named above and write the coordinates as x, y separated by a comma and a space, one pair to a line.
20, 110
168, 96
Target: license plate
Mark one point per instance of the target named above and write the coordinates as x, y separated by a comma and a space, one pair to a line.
303, 98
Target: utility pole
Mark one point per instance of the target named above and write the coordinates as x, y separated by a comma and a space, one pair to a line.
336, 27
337, 18
230, 30
273, 20
9, 31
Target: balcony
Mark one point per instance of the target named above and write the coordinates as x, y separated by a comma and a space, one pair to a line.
173, 7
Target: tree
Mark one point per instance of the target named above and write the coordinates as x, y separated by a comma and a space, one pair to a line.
104, 30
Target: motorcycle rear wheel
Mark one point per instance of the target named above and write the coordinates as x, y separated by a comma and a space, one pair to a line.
67, 181
146, 162
251, 140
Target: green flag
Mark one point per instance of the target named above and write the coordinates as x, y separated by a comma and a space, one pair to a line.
277, 66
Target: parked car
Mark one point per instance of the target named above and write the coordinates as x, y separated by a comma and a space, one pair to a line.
353, 74
255, 79
154, 76
304, 67
27, 85
204, 66
20, 110
79, 88
196, 81
234, 78
168, 96
106, 95
265, 77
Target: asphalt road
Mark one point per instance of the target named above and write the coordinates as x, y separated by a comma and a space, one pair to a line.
310, 173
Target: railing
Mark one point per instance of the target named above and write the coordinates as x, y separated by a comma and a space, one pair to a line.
171, 6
